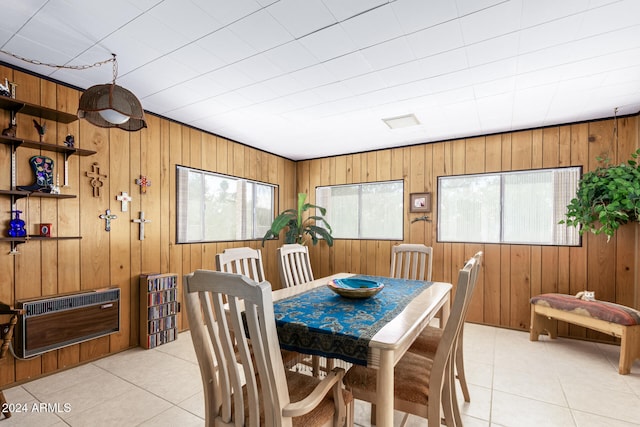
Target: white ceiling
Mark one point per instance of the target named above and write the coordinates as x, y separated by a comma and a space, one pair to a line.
312, 78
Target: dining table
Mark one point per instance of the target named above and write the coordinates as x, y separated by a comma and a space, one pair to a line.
374, 332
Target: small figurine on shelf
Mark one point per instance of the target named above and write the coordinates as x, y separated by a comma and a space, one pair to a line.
17, 226
69, 141
55, 189
10, 131
42, 129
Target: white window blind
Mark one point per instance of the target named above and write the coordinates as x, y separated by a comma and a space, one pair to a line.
214, 207
364, 211
522, 207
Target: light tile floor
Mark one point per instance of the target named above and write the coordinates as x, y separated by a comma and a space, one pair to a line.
513, 382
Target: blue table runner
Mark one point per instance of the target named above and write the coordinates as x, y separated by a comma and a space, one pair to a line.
320, 322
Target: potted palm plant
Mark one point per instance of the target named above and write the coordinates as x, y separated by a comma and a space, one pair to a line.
607, 198
297, 226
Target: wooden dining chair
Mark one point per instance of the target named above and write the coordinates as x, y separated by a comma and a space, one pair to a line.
423, 386
255, 390
294, 266
427, 342
246, 261
411, 261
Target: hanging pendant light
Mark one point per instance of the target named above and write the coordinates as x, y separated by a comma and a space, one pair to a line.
110, 105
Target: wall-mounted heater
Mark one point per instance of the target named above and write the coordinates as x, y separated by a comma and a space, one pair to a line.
51, 323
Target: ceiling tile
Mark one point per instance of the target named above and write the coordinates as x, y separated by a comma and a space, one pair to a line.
494, 21
302, 18
185, 18
258, 68
388, 54
466, 7
415, 15
314, 76
541, 11
328, 43
382, 19
346, 9
225, 12
260, 31
441, 38
347, 66
493, 50
227, 46
291, 56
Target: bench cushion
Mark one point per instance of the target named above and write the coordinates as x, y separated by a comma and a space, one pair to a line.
603, 310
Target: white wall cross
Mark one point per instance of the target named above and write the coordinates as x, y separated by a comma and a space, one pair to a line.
141, 220
125, 199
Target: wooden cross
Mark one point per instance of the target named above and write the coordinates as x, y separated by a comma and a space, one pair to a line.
141, 220
143, 182
96, 179
108, 216
125, 199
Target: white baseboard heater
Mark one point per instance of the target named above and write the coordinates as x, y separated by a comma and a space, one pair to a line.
50, 323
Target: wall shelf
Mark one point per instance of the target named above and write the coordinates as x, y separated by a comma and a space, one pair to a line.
19, 142
17, 106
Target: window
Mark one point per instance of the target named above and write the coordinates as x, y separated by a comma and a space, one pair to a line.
522, 207
213, 207
364, 211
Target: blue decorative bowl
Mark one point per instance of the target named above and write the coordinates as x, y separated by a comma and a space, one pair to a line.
351, 287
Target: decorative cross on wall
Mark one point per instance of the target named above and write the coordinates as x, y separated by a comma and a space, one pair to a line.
141, 220
143, 182
125, 199
96, 179
108, 216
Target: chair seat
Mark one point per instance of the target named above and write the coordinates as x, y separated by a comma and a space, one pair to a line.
300, 386
427, 342
411, 380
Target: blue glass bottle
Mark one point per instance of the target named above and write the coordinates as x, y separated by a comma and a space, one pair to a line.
17, 226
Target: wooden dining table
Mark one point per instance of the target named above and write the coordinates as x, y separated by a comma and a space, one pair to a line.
388, 342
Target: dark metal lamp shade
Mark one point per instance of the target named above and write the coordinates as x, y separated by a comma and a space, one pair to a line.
110, 105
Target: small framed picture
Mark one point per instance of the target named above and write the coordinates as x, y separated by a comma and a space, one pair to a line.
420, 202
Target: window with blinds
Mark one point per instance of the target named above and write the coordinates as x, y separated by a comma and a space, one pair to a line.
520, 207
213, 207
372, 210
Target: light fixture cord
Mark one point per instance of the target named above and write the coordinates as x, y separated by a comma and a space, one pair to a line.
68, 67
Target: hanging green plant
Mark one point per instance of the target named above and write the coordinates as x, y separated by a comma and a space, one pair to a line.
607, 198
297, 226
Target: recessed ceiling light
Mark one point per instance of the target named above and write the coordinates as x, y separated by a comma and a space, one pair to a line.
401, 121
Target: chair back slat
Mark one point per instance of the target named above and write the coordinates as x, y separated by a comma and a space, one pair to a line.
294, 265
411, 261
245, 261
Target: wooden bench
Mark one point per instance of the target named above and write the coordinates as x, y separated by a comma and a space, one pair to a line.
613, 319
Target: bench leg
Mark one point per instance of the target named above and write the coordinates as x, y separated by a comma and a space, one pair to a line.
541, 324
629, 349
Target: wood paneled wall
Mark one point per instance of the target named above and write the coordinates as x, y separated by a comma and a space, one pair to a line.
116, 258
511, 274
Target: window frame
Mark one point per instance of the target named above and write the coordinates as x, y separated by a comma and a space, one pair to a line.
239, 180
572, 192
360, 184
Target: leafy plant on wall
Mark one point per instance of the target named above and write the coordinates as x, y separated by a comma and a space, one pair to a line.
297, 226
607, 198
